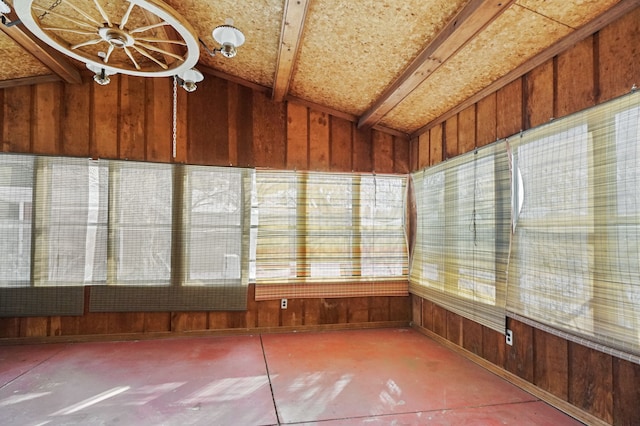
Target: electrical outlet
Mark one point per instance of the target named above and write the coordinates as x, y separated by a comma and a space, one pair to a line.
509, 337
283, 303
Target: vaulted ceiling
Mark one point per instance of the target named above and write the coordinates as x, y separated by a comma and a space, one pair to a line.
398, 64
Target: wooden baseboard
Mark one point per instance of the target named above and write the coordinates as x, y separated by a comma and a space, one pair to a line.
526, 386
200, 333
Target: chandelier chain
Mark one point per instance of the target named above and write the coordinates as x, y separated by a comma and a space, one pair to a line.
46, 12
175, 114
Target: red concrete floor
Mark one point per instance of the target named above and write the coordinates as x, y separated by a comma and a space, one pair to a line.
369, 377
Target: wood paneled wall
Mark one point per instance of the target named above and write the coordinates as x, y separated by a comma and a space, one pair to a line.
222, 123
353, 312
601, 67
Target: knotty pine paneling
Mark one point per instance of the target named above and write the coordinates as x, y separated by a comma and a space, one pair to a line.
435, 145
416, 310
334, 311
472, 336
626, 376
591, 381
105, 117
618, 52
75, 116
467, 130
269, 128
319, 153
423, 149
576, 82
486, 120
509, 109
401, 155
46, 122
451, 137
540, 89
551, 364
519, 356
132, 129
158, 113
297, 136
454, 328
362, 149
241, 154
383, 152
341, 140
16, 119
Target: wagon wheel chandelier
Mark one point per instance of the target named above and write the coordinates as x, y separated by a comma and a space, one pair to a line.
144, 38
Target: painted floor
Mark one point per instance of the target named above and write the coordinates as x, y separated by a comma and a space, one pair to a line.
368, 377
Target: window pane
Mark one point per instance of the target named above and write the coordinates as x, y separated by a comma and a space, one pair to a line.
624, 223
214, 214
75, 224
383, 242
16, 195
142, 223
329, 216
276, 249
553, 252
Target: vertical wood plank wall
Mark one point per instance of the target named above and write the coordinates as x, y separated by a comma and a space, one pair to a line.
223, 124
601, 67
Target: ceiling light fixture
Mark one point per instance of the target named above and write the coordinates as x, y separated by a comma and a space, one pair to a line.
188, 79
125, 37
4, 9
145, 38
101, 74
228, 37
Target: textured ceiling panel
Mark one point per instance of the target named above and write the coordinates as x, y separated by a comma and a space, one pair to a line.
15, 63
260, 22
572, 13
351, 51
496, 51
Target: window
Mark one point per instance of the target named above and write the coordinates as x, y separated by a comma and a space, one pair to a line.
575, 259
148, 237
213, 224
16, 204
140, 223
462, 236
70, 222
330, 235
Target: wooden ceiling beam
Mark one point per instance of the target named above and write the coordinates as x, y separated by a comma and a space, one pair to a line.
51, 58
616, 12
472, 19
27, 81
295, 12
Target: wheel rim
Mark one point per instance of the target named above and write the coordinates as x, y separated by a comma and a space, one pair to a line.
136, 37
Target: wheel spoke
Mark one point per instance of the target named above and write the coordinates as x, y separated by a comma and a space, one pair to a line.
75, 21
71, 30
148, 27
128, 52
103, 13
108, 55
86, 43
83, 13
145, 53
161, 40
125, 18
157, 49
